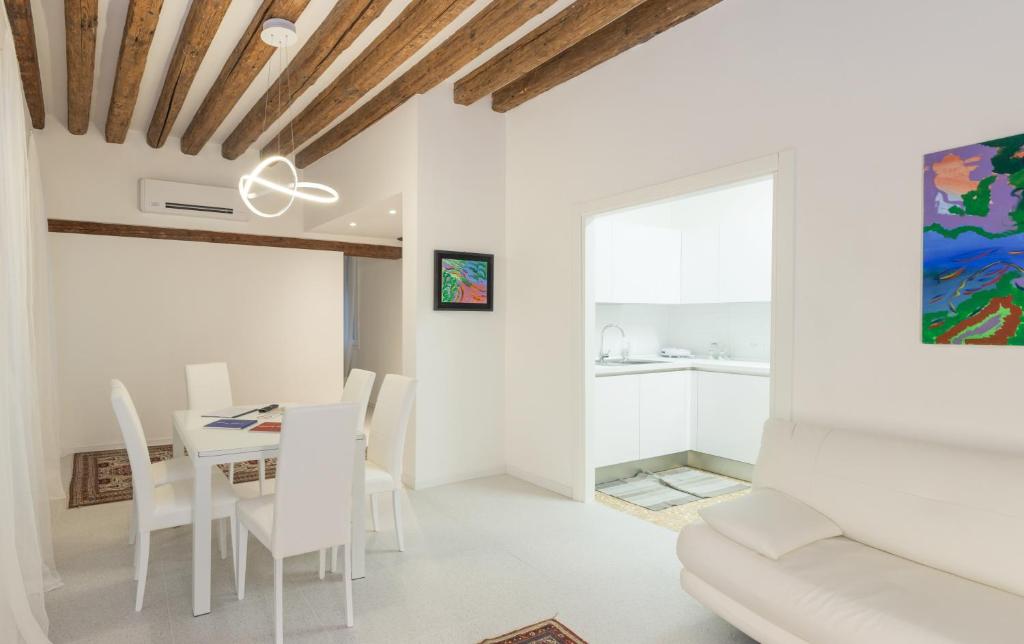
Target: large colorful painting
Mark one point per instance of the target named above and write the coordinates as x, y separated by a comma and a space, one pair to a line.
463, 281
974, 244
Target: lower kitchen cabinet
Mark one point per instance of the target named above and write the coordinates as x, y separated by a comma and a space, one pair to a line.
666, 408
616, 419
731, 411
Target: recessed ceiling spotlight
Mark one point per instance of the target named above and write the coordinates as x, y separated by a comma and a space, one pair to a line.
352, 223
392, 212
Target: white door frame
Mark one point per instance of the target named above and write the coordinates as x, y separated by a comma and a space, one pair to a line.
780, 165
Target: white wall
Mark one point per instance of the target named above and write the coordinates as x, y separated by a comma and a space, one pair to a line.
378, 318
860, 94
141, 309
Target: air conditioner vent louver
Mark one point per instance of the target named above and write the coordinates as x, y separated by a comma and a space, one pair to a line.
191, 200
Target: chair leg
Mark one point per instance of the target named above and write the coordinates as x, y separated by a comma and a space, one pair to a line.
234, 549
373, 512
398, 519
243, 547
323, 562
334, 558
140, 589
135, 559
222, 538
278, 601
349, 621
133, 523
263, 473
231, 474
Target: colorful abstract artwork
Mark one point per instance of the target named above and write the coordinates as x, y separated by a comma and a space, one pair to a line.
974, 244
463, 281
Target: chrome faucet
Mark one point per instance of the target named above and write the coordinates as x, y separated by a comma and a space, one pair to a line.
625, 351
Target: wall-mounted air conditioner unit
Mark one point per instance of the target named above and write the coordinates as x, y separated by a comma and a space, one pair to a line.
194, 200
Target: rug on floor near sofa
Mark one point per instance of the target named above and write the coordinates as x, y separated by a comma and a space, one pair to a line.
106, 476
679, 486
550, 631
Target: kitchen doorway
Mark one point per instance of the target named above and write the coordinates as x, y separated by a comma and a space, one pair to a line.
687, 336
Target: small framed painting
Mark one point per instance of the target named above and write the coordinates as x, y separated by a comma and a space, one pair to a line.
463, 281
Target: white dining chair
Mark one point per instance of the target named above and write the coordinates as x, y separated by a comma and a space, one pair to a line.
176, 468
161, 506
357, 389
209, 388
386, 448
314, 465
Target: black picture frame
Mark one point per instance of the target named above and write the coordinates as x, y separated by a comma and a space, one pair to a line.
439, 257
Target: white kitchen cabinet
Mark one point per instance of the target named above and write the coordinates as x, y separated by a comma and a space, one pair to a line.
699, 260
666, 408
745, 251
635, 263
616, 420
731, 411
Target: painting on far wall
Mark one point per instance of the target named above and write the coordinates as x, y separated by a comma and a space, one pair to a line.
463, 281
974, 244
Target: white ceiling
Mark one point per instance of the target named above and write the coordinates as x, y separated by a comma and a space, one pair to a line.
49, 25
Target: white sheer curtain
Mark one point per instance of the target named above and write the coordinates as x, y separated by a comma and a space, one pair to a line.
26, 550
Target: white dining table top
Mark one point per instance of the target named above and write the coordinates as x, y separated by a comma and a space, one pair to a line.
204, 441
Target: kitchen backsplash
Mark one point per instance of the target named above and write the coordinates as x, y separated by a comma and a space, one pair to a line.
742, 329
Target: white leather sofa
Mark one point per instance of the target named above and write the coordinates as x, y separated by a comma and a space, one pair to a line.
851, 537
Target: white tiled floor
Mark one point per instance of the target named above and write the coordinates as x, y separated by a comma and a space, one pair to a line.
482, 558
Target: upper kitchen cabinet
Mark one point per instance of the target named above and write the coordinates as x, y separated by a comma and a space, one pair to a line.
640, 258
707, 248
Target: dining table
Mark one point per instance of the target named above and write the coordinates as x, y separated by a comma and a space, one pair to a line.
208, 447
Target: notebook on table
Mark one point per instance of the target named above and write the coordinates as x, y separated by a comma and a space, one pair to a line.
267, 427
230, 423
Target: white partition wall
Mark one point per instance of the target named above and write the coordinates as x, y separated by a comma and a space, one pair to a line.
141, 309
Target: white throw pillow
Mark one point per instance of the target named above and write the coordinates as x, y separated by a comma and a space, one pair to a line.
770, 522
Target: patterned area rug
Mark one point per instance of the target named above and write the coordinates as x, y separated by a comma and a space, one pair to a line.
549, 631
106, 476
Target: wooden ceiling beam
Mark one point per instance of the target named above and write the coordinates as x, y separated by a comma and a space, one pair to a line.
486, 29
343, 24
241, 68
201, 25
19, 14
635, 27
420, 21
80, 19
139, 27
568, 27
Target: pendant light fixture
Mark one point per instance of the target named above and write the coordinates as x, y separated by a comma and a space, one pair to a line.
280, 34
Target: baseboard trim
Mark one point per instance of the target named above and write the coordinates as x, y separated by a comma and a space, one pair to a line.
422, 484
69, 451
540, 481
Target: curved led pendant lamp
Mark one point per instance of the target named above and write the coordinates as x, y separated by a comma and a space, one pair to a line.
278, 32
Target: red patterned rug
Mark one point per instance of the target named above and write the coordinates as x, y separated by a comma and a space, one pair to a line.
106, 476
550, 631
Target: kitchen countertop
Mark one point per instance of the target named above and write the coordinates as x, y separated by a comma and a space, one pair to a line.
743, 367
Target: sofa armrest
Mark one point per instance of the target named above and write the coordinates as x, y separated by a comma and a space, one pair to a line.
769, 522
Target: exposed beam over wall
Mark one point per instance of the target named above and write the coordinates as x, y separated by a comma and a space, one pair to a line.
342, 25
201, 24
19, 14
80, 19
216, 237
484, 30
420, 21
575, 22
638, 26
139, 27
241, 68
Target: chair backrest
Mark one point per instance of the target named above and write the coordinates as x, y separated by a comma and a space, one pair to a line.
358, 388
957, 509
208, 386
390, 423
138, 452
313, 497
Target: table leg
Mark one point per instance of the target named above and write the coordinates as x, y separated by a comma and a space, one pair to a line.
359, 511
201, 529
177, 446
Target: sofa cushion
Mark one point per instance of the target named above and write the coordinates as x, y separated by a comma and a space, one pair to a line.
952, 508
769, 522
843, 592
